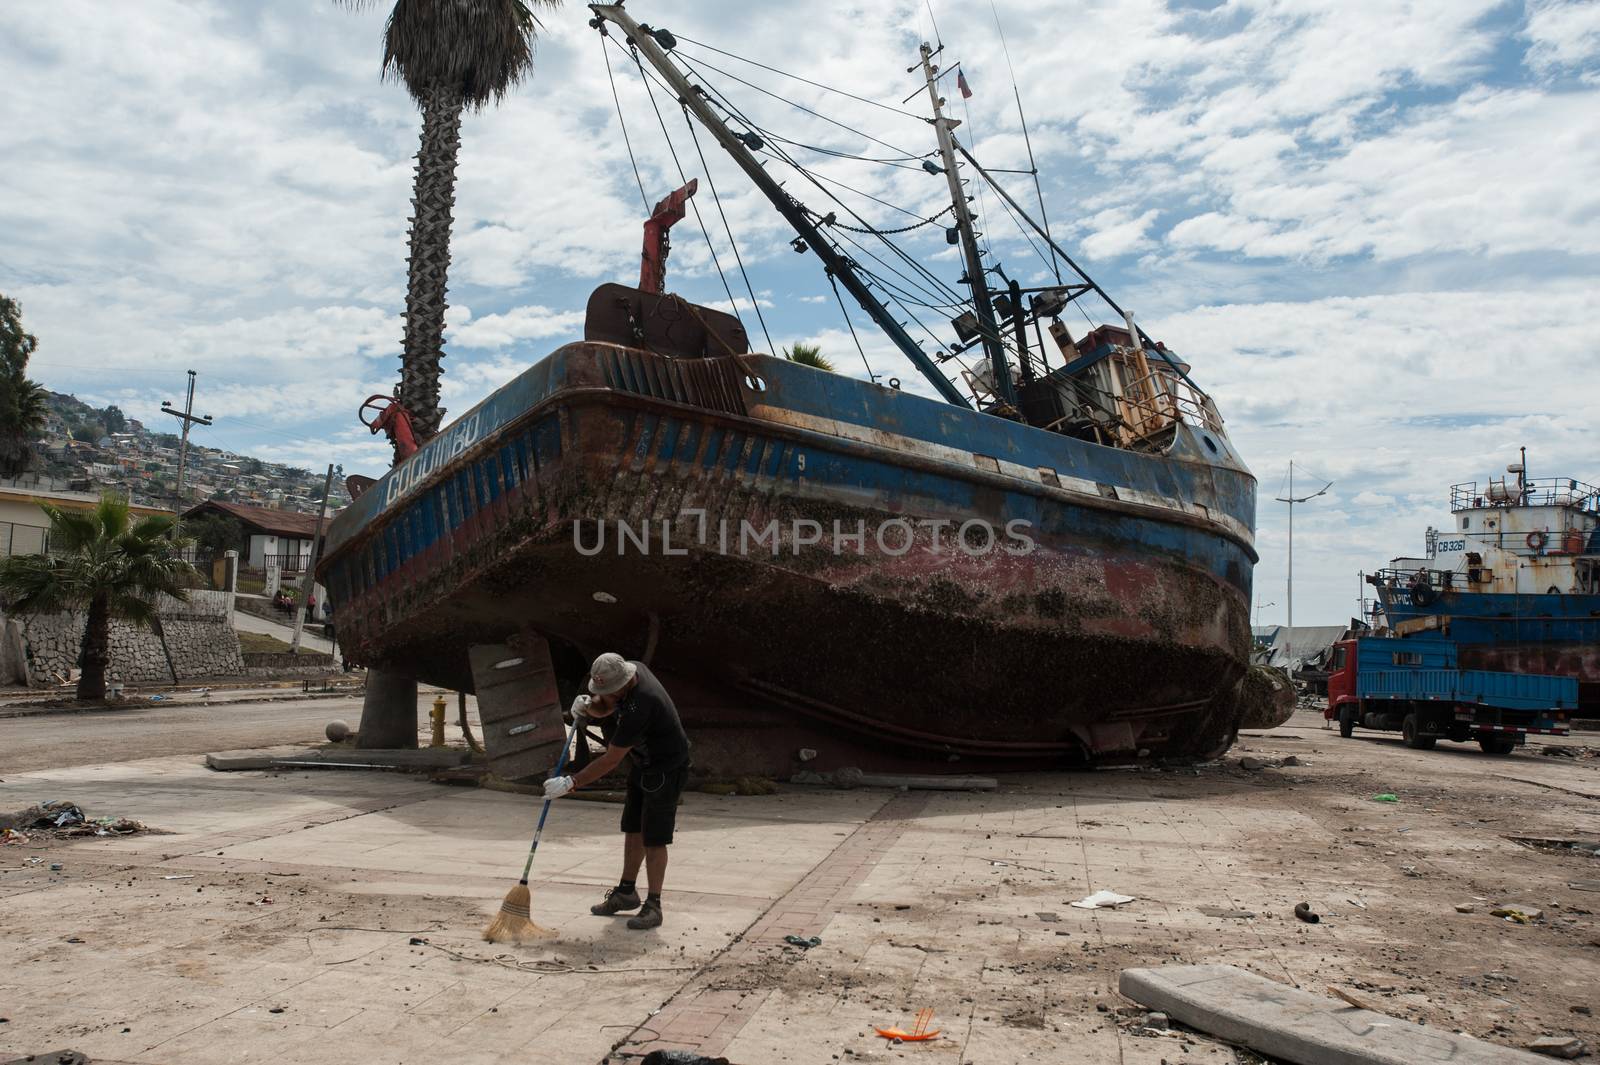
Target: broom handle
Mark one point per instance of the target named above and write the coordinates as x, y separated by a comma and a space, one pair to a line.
561, 764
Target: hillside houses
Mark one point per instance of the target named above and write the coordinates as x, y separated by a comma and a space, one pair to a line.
77, 452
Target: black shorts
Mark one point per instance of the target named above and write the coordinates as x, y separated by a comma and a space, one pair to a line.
652, 803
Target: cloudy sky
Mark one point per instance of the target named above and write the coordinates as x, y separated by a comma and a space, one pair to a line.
1372, 226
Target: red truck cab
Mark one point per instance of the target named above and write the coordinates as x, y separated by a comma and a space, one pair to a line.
1341, 678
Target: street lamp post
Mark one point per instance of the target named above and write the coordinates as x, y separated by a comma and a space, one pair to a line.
1259, 608
1292, 499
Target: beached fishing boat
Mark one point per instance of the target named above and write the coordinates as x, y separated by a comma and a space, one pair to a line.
1049, 566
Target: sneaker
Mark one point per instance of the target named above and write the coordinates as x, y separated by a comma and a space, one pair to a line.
648, 917
615, 902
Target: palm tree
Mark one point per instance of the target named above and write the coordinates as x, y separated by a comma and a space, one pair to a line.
809, 355
103, 563
450, 55
22, 402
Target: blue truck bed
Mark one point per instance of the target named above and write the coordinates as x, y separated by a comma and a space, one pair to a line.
1418, 669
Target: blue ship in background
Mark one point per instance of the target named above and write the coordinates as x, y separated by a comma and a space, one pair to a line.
1515, 580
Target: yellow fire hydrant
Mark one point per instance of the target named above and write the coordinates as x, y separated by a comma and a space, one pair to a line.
436, 715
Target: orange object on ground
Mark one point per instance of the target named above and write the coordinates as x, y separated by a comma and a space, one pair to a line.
919, 1032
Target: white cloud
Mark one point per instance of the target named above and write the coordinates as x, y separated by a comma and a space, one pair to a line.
532, 322
1563, 33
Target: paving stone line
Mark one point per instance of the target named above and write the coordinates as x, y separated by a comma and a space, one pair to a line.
705, 1019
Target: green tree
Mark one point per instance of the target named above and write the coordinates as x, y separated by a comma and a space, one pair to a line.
113, 418
450, 55
809, 355
215, 533
89, 432
105, 564
22, 402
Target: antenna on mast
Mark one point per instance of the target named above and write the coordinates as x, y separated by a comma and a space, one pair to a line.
975, 278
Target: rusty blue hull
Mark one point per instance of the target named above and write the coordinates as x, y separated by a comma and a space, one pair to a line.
787, 546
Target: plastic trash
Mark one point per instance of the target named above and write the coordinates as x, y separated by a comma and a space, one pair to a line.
1386, 797
1102, 899
803, 944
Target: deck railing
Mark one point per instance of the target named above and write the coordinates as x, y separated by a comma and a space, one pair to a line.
1534, 492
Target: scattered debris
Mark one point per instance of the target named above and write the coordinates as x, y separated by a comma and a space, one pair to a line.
1358, 1003
63, 820
1558, 1046
185, 876
1306, 913
1518, 914
1386, 796
852, 777
803, 944
1223, 911
1466, 907
1048, 916
920, 1032
1102, 899
740, 786
1587, 846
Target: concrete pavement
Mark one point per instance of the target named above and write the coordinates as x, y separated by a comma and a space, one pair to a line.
243, 622
957, 902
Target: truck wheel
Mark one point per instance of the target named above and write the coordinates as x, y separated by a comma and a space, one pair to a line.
1409, 732
1497, 744
1347, 720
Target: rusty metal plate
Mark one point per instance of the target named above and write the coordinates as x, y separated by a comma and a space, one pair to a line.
664, 324
519, 706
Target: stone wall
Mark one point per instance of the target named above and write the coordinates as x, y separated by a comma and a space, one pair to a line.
199, 642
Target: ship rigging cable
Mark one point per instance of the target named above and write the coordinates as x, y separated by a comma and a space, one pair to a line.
733, 112
733, 304
796, 77
940, 297
623, 122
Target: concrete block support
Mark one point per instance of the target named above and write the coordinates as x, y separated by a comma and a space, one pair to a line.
388, 713
1297, 1026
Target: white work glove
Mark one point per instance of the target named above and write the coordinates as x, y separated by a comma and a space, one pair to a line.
556, 787
580, 710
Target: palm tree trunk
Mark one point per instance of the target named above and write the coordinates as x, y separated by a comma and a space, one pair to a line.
95, 652
432, 204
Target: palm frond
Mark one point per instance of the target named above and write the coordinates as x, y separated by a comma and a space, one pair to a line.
479, 48
809, 355
42, 584
71, 530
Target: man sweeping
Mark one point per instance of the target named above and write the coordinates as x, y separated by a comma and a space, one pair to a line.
637, 719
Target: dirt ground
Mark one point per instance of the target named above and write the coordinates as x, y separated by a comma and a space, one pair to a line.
378, 885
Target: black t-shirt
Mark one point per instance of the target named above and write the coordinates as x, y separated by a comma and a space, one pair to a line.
647, 721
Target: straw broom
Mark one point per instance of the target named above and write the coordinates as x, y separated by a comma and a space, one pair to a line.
512, 922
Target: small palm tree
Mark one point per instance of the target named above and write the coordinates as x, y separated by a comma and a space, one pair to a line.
450, 55
103, 563
809, 355
22, 403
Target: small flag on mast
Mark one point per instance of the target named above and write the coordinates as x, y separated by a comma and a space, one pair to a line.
961, 83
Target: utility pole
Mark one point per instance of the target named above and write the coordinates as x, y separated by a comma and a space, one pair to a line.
188, 418
976, 279
308, 579
1291, 499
